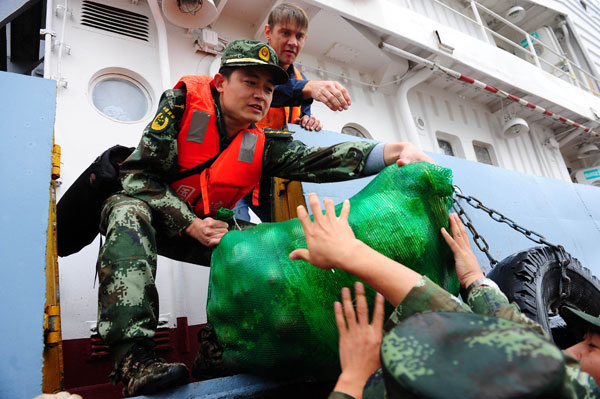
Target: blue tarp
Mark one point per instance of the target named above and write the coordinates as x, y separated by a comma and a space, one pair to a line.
28, 107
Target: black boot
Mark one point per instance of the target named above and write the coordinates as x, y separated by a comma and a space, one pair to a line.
143, 373
208, 363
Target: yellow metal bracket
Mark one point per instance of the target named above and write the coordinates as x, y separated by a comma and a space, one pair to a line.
53, 356
55, 161
52, 325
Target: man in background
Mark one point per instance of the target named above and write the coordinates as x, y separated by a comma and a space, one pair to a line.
286, 33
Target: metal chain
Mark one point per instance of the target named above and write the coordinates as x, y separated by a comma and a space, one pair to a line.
561, 255
477, 238
499, 217
565, 281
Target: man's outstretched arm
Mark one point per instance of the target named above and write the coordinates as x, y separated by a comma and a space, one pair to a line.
332, 244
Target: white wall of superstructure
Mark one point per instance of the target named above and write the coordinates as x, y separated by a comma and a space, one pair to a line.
83, 132
467, 123
395, 19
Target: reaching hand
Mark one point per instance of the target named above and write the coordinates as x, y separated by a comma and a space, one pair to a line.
467, 267
309, 123
330, 93
208, 231
404, 153
359, 340
329, 238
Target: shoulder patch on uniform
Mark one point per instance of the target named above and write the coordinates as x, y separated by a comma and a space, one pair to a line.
284, 134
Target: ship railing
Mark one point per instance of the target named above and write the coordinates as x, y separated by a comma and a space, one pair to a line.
566, 68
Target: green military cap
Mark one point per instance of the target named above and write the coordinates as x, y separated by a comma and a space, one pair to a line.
466, 355
242, 53
579, 322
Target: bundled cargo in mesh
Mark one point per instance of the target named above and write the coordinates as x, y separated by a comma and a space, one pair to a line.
274, 316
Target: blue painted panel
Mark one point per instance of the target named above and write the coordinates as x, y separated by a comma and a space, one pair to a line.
8, 8
565, 213
28, 106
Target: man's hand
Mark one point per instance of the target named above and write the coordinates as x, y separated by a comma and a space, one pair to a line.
329, 92
309, 123
208, 231
359, 340
404, 153
329, 238
467, 267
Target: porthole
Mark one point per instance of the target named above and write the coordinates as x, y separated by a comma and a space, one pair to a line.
356, 130
120, 97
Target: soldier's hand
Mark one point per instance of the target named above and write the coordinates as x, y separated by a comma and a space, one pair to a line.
329, 238
208, 231
404, 153
309, 123
329, 92
359, 340
466, 264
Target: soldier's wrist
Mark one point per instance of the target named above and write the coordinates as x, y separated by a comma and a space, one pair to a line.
469, 278
349, 385
480, 282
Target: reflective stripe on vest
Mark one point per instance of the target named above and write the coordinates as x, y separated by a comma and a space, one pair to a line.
236, 170
277, 117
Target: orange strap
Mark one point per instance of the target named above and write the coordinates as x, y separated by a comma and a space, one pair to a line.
255, 195
204, 190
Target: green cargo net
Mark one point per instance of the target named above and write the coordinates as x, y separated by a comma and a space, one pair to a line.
274, 316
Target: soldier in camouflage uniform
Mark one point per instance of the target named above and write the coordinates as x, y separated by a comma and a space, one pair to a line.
149, 217
434, 345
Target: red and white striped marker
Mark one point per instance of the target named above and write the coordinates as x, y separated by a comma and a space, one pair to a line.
486, 87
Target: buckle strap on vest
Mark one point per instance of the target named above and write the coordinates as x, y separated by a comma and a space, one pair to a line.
189, 172
255, 195
204, 191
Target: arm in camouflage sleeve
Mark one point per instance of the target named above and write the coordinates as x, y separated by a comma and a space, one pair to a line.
155, 157
295, 160
425, 296
491, 301
484, 300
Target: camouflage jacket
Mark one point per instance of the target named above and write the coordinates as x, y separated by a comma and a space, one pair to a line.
426, 296
143, 173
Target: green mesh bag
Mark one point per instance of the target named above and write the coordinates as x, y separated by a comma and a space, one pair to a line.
274, 316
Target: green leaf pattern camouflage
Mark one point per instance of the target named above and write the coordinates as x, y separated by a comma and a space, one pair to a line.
426, 297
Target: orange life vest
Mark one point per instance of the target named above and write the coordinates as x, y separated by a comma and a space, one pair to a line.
231, 174
277, 117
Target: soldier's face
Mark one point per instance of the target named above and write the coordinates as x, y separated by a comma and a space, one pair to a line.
287, 39
588, 354
245, 96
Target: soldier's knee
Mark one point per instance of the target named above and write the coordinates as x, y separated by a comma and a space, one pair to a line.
123, 211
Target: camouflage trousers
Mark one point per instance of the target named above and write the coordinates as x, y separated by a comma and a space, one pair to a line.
127, 295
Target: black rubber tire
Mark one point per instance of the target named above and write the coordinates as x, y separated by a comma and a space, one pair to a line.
531, 279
